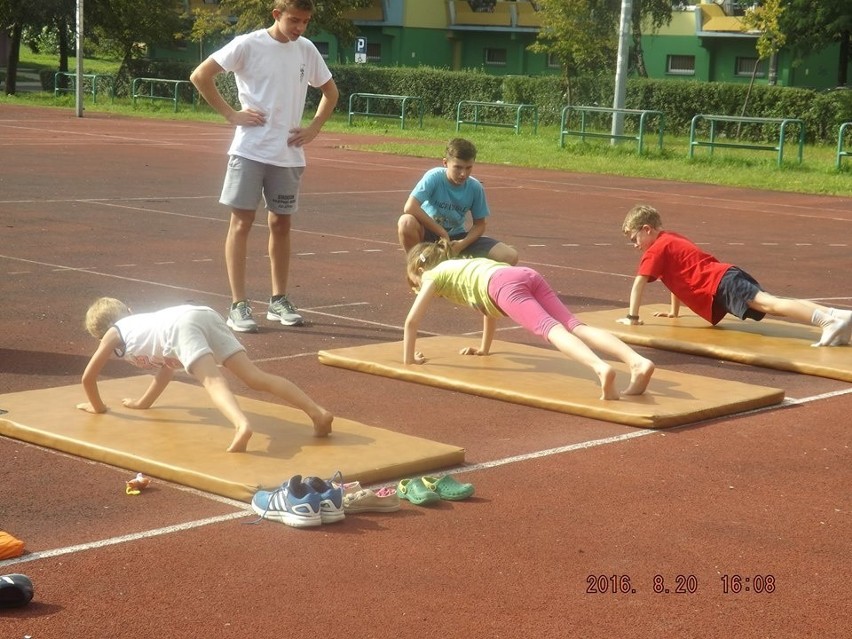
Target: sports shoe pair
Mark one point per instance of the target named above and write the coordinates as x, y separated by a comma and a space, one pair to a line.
431, 489
280, 309
301, 503
365, 500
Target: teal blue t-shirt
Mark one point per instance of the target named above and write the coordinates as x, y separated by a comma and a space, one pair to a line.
447, 203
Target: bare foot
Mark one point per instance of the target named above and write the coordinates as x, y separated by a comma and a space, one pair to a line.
240, 440
640, 375
322, 423
606, 374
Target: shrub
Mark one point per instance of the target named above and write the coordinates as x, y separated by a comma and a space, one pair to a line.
442, 90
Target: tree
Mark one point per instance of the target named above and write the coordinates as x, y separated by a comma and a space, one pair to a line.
581, 34
125, 26
213, 23
765, 19
811, 26
654, 13
15, 17
60, 16
208, 22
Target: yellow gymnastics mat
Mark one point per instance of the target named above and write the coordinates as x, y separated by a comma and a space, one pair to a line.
544, 378
182, 439
769, 343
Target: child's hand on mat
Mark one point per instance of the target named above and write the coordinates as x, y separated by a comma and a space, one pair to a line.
471, 350
664, 314
86, 406
133, 403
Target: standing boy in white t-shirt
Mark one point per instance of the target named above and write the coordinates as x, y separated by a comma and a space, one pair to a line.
272, 68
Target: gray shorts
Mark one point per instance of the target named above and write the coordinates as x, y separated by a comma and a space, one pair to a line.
480, 248
247, 180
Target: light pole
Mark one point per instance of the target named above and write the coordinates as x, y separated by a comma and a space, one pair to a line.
621, 68
79, 80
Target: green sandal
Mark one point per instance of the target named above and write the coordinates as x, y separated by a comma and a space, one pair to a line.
417, 492
448, 488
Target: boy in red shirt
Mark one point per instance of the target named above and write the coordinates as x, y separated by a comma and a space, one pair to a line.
712, 288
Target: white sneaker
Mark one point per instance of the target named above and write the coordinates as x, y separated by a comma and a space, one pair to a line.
282, 310
240, 319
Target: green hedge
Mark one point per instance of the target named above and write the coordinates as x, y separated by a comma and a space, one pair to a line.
442, 90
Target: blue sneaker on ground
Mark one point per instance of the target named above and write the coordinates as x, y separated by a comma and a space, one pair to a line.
293, 503
331, 499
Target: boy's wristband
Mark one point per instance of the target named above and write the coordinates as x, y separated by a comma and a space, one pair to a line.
632, 318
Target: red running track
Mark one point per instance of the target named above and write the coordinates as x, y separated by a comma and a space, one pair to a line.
579, 528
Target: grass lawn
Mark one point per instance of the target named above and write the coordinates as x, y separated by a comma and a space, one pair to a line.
35, 62
731, 167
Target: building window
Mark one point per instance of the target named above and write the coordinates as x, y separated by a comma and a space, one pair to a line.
482, 6
680, 64
374, 52
553, 62
746, 66
495, 57
322, 47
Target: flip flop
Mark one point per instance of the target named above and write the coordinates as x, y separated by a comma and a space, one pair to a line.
15, 591
415, 491
448, 488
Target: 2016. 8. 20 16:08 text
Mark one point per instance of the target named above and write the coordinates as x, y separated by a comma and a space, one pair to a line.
680, 584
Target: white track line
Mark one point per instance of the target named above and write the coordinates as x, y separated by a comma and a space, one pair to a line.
245, 512
112, 541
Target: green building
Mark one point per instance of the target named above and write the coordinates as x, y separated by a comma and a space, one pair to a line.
447, 34
705, 41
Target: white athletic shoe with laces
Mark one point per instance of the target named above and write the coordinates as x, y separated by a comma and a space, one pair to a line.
240, 319
282, 310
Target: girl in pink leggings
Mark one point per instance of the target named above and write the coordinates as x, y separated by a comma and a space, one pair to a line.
497, 289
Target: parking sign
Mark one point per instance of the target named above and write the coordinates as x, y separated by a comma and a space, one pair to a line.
361, 50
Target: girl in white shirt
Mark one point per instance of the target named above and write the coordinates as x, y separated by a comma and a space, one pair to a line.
194, 338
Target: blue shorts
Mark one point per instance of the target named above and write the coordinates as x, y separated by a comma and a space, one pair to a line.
736, 289
480, 248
